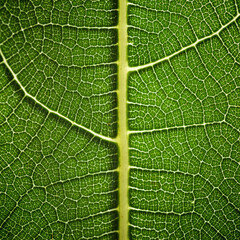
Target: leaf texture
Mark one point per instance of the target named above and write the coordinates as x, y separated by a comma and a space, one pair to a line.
119, 120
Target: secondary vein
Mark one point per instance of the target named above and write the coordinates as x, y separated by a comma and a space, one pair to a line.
50, 110
184, 48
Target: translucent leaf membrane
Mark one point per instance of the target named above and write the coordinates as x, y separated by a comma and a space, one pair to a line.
184, 117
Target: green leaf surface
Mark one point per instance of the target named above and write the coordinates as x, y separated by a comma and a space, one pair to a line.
119, 120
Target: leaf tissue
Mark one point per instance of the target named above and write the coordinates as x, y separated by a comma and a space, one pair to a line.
119, 119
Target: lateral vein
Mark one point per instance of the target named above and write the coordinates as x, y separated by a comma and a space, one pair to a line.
184, 48
175, 127
50, 110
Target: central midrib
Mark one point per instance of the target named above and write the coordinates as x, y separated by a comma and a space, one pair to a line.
122, 138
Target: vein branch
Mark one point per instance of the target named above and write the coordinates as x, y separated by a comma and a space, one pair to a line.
50, 110
175, 127
184, 48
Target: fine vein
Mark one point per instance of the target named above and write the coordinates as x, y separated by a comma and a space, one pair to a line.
50, 110
184, 48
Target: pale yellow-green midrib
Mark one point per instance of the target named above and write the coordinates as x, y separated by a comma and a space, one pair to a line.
122, 138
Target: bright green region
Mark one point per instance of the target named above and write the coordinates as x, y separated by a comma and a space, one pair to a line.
230, 36
64, 46
151, 34
185, 176
76, 13
161, 191
185, 226
185, 149
185, 173
200, 85
160, 28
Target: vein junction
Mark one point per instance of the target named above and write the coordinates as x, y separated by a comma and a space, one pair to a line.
50, 110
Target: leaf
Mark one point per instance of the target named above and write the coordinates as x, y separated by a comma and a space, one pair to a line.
119, 119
